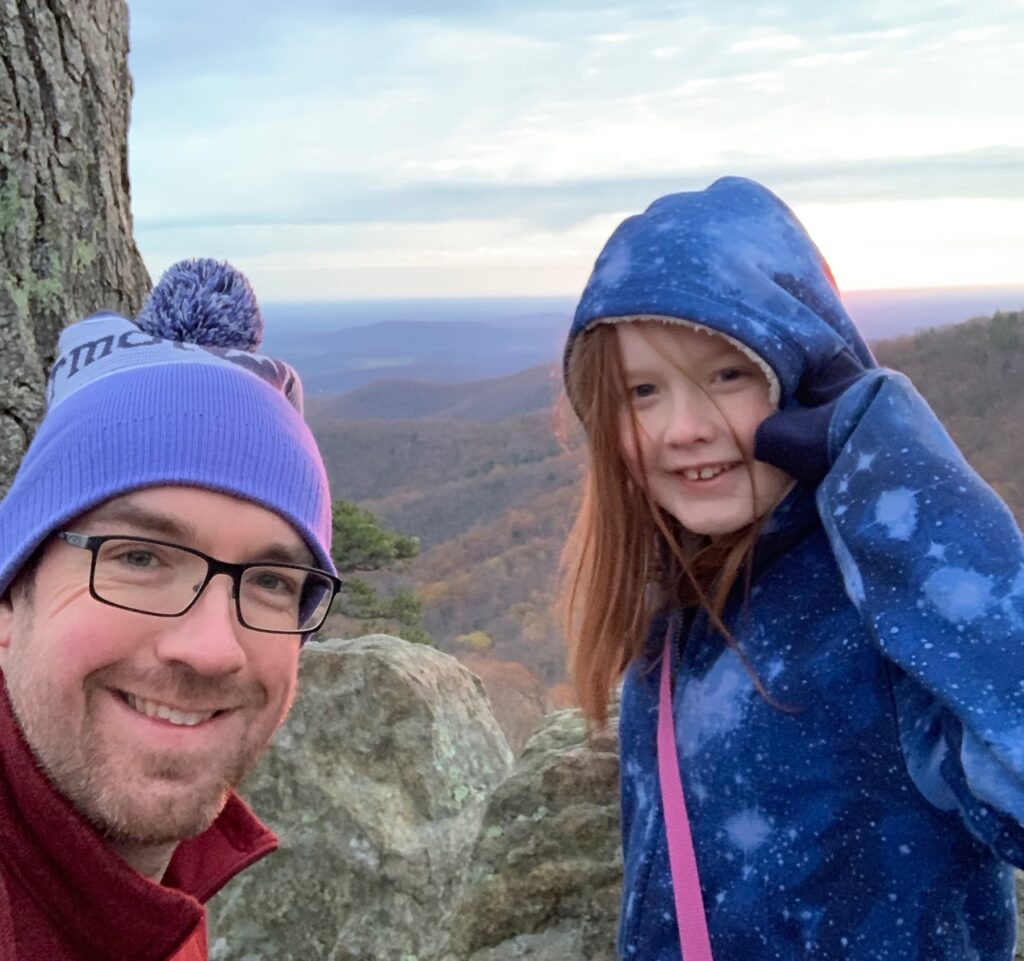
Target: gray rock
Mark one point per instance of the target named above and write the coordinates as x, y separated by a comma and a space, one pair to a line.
376, 785
545, 875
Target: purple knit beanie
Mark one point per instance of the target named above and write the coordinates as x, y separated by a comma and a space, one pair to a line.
179, 397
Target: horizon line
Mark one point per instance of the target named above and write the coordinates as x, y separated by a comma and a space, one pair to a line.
944, 289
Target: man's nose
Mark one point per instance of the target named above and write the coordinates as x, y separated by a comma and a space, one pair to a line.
207, 637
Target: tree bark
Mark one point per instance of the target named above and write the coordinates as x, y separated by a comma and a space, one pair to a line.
66, 247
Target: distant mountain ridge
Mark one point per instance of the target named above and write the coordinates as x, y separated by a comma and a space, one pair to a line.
403, 399
462, 341
334, 361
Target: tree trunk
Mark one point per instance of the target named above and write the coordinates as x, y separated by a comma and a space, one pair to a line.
66, 246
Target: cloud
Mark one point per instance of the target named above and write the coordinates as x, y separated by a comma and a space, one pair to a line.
766, 41
241, 37
254, 120
993, 173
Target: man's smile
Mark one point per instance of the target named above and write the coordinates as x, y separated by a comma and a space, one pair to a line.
166, 712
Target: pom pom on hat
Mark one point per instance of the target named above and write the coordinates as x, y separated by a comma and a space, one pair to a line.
205, 302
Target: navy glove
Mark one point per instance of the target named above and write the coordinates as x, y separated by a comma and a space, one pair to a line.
796, 440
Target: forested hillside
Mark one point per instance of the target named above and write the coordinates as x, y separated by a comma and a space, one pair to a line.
435, 479
973, 376
492, 500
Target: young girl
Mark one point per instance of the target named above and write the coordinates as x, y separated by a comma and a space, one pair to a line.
841, 599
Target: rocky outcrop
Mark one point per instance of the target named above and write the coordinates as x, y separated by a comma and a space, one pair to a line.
376, 785
66, 246
545, 875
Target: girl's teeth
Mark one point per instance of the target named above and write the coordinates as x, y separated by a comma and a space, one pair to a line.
705, 473
165, 713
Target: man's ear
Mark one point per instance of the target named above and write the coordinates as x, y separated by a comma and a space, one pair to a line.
6, 624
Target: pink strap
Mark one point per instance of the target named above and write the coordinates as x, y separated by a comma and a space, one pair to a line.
690, 919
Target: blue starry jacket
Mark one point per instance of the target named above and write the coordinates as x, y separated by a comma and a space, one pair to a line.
876, 817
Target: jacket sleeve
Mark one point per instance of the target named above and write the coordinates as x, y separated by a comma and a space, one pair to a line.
934, 561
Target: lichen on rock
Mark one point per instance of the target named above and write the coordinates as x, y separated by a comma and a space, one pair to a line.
376, 786
545, 876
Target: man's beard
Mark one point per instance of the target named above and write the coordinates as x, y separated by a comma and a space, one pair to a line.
132, 800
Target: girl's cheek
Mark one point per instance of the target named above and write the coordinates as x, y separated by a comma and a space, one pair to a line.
628, 431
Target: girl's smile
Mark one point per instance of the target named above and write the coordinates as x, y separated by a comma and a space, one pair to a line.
706, 472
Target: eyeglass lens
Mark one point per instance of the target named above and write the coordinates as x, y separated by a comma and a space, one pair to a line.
162, 579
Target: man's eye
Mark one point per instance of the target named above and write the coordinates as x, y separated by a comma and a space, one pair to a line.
273, 582
138, 558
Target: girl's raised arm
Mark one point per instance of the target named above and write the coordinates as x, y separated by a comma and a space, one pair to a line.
934, 561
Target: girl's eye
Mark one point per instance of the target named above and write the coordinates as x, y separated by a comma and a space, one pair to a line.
640, 391
729, 375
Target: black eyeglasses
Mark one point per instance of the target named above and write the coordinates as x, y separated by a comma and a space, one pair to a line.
165, 580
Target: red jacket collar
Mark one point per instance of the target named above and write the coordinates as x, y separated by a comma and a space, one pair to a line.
87, 893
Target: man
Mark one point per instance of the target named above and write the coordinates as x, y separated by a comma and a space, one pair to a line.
164, 549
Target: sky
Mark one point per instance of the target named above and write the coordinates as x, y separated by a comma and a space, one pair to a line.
340, 149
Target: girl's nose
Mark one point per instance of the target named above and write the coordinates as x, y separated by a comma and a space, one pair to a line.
693, 417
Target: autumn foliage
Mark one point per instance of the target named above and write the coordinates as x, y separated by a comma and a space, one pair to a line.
491, 501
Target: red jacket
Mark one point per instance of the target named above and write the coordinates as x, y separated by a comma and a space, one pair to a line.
64, 896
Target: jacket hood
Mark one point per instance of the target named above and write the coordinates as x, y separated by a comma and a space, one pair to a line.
734, 259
